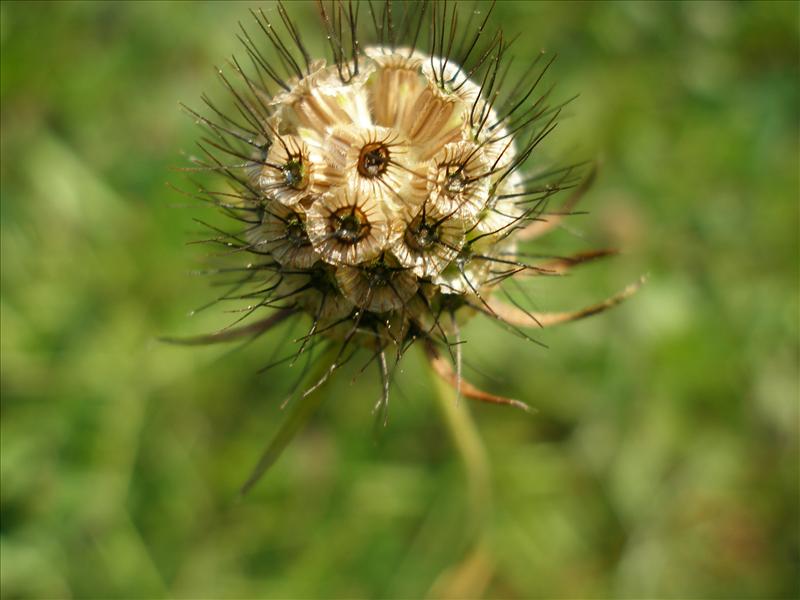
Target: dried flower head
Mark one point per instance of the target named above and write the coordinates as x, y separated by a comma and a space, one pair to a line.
383, 192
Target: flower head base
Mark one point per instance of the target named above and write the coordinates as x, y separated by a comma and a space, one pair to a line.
384, 189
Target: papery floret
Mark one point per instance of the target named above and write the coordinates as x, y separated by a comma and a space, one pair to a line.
431, 240
380, 287
459, 181
348, 227
282, 234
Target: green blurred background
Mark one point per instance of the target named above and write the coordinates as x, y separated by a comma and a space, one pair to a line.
662, 461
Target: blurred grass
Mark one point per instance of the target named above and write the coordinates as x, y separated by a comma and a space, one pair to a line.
663, 461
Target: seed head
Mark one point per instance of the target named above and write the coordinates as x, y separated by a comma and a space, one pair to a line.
382, 190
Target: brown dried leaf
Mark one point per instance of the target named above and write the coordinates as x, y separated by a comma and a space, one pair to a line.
445, 370
521, 318
561, 266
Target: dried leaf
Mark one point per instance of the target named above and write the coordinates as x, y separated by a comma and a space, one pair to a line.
522, 318
445, 370
561, 266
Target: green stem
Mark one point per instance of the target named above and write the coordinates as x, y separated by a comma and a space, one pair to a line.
472, 452
469, 577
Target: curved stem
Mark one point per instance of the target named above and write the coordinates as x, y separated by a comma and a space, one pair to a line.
472, 574
472, 452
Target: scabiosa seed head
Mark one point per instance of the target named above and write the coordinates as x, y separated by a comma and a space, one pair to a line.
382, 190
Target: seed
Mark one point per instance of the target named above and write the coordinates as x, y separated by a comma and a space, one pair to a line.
351, 225
294, 174
373, 160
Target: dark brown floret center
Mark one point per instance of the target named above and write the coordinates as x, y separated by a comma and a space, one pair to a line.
421, 235
350, 225
379, 275
373, 160
320, 279
295, 174
296, 231
455, 183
